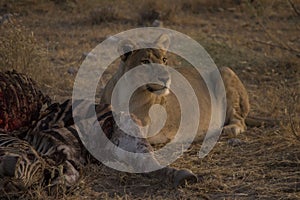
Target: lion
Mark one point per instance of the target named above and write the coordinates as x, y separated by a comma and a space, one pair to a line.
159, 92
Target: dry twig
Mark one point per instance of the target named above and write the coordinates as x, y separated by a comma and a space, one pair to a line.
276, 45
294, 7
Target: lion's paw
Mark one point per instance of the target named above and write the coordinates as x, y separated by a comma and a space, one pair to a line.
232, 130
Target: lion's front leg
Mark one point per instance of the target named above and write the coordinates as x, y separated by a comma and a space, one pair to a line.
143, 159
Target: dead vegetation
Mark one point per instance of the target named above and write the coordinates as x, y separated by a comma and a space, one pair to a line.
258, 39
19, 49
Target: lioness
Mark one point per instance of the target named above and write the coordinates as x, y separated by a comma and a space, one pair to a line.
146, 96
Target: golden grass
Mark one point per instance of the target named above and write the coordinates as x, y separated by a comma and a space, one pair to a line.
19, 49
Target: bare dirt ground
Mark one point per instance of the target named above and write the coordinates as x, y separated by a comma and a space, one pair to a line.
259, 40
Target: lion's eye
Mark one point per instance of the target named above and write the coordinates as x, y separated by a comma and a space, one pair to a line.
145, 61
165, 60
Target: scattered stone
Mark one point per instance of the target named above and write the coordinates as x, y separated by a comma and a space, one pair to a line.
221, 9
233, 9
235, 142
157, 23
5, 18
72, 71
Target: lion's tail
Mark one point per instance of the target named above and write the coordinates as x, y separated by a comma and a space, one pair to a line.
255, 121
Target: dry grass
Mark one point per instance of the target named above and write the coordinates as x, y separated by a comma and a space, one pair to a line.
259, 40
104, 14
152, 10
19, 49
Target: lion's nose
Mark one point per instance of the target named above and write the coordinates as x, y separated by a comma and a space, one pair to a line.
163, 79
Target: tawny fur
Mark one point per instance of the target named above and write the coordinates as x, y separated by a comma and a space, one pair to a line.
142, 99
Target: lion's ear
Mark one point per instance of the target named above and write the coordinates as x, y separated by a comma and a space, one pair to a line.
163, 42
125, 49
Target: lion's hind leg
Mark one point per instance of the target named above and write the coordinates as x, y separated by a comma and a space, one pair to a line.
235, 125
237, 103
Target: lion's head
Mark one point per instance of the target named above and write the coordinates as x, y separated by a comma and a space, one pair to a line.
146, 56
133, 56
